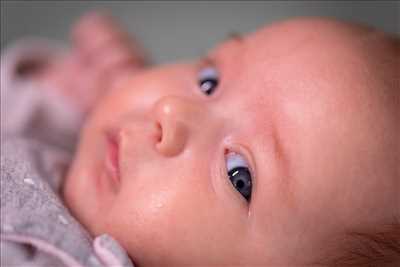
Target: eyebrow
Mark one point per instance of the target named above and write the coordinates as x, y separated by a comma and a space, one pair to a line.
234, 36
230, 37
206, 60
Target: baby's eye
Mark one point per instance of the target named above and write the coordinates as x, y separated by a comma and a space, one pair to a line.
239, 174
208, 80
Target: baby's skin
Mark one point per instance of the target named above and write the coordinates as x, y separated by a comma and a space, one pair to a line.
264, 152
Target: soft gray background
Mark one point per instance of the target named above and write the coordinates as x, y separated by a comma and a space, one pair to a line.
176, 30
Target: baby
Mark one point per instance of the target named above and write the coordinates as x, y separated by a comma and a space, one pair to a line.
279, 148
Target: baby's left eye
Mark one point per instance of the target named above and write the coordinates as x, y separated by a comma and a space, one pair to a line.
239, 174
208, 80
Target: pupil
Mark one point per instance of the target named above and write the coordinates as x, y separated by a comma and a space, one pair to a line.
240, 184
208, 85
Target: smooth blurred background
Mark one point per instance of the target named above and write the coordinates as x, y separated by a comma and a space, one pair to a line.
178, 30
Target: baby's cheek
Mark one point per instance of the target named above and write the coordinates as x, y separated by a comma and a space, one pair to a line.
170, 224
148, 223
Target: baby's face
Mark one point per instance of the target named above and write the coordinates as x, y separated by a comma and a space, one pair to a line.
294, 144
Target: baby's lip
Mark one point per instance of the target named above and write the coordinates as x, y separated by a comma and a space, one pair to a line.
112, 156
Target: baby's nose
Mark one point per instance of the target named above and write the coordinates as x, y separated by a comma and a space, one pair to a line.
178, 119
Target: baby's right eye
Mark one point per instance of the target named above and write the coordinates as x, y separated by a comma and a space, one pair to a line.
208, 80
239, 174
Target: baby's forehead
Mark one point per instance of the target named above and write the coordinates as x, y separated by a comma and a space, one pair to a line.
294, 52
301, 49
287, 37
305, 28
281, 38
305, 43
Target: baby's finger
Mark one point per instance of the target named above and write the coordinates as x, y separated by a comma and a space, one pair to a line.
89, 89
117, 55
95, 32
89, 22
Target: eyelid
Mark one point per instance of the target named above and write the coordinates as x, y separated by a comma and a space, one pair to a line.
230, 146
221, 184
208, 72
237, 158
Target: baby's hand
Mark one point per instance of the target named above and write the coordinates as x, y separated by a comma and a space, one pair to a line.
102, 55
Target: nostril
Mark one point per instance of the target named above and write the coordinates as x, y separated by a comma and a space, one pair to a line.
158, 133
171, 137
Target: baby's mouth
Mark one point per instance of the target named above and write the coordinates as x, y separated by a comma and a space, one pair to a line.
112, 157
